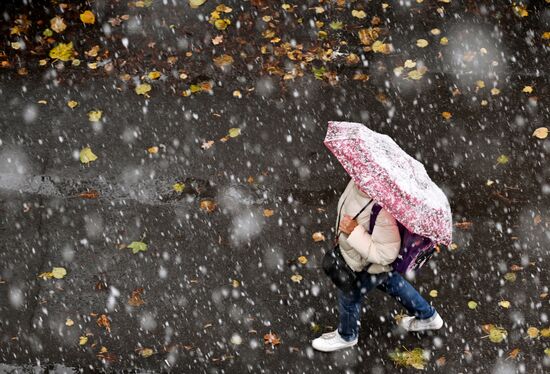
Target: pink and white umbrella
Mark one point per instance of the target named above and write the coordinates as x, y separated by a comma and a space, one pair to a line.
398, 182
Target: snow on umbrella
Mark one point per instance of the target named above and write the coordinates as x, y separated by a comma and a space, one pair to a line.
398, 182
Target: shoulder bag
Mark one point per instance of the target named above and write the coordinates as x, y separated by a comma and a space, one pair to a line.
334, 264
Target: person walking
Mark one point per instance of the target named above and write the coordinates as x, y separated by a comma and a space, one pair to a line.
371, 256
375, 247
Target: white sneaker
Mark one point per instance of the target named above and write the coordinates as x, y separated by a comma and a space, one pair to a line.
331, 341
414, 324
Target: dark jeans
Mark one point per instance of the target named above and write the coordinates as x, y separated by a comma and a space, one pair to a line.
392, 283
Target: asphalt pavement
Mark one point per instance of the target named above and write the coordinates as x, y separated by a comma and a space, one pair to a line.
211, 285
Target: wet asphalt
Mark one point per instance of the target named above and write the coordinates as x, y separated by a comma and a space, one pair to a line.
215, 283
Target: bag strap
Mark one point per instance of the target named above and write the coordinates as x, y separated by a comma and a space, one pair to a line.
373, 215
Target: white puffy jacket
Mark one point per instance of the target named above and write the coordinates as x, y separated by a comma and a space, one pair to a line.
359, 248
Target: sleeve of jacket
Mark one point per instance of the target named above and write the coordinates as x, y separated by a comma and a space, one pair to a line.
382, 247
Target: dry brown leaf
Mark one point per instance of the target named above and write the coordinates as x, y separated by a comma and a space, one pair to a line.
318, 236
360, 77
223, 60
368, 36
103, 321
208, 205
135, 298
272, 339
441, 361
515, 267
465, 225
57, 24
92, 194
514, 353
207, 145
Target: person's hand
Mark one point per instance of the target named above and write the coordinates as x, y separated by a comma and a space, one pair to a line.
347, 224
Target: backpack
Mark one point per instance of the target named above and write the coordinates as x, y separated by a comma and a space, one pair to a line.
415, 249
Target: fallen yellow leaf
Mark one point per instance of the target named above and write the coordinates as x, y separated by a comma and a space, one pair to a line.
472, 304
410, 64
234, 132
415, 74
88, 17
268, 212
504, 303
422, 43
221, 24
137, 247
83, 340
415, 358
527, 89
59, 273
497, 334
446, 115
521, 10
154, 75
62, 51
72, 104
358, 14
69, 322
532, 332
380, 47
296, 278
87, 156
302, 260
94, 115
178, 187
196, 3
146, 352
143, 89
433, 293
153, 150
541, 132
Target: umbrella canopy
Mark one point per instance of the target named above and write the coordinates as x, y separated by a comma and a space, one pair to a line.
397, 181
